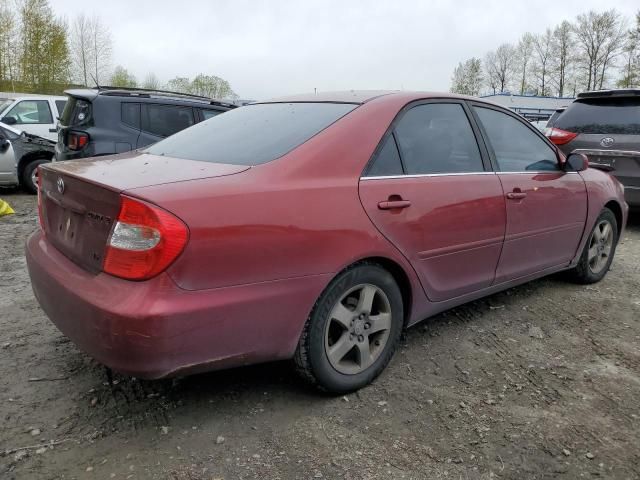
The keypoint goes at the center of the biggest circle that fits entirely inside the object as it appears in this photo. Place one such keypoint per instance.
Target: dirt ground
(540, 381)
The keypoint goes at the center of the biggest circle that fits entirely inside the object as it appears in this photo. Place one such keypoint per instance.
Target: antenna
(94, 80)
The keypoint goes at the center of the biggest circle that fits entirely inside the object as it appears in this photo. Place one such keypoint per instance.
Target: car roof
(91, 94)
(618, 92)
(360, 97)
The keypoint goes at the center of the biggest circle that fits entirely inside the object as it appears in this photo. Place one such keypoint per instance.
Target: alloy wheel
(358, 329)
(600, 245)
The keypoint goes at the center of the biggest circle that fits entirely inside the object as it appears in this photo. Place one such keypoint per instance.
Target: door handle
(517, 194)
(391, 204)
(52, 130)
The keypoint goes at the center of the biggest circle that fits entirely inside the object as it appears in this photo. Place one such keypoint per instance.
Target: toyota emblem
(607, 141)
(60, 184)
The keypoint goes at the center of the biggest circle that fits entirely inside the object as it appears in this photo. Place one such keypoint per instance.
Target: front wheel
(353, 330)
(599, 250)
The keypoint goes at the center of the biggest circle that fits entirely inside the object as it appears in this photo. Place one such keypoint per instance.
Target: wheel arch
(30, 157)
(615, 207)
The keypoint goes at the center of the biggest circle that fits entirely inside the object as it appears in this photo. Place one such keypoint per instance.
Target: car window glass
(207, 114)
(254, 134)
(387, 161)
(516, 147)
(60, 104)
(437, 138)
(31, 112)
(165, 120)
(602, 116)
(131, 114)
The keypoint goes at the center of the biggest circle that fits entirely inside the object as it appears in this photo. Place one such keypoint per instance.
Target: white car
(33, 114)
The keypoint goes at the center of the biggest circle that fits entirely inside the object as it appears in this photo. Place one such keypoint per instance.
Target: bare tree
(631, 52)
(599, 41)
(467, 77)
(8, 46)
(562, 44)
(81, 51)
(524, 54)
(543, 50)
(101, 47)
(499, 66)
(151, 82)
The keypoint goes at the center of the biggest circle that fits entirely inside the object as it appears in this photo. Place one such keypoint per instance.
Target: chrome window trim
(421, 175)
(630, 187)
(458, 174)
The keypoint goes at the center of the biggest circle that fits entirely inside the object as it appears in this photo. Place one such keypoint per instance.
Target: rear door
(546, 207)
(429, 190)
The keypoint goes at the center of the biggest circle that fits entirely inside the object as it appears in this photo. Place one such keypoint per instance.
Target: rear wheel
(30, 175)
(353, 330)
(599, 250)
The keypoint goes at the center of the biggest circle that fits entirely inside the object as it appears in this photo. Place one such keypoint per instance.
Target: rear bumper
(153, 329)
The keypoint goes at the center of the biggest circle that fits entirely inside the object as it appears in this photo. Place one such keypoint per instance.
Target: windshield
(253, 134)
(613, 116)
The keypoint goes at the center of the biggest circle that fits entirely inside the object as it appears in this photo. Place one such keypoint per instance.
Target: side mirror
(9, 120)
(576, 162)
(4, 144)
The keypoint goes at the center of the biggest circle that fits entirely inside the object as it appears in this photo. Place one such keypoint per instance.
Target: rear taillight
(77, 140)
(560, 137)
(144, 241)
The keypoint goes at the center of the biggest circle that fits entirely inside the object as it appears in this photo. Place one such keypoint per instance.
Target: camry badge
(607, 141)
(60, 184)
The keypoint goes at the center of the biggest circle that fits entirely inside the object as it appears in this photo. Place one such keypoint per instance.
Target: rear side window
(131, 114)
(600, 116)
(165, 120)
(60, 104)
(437, 138)
(516, 147)
(207, 114)
(387, 162)
(31, 112)
(253, 134)
(75, 112)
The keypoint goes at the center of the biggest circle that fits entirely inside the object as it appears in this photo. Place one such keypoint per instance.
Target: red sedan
(312, 228)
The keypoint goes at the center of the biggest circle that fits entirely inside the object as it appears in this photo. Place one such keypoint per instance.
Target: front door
(428, 192)
(546, 207)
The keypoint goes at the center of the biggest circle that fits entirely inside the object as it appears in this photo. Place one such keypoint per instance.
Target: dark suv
(108, 120)
(605, 125)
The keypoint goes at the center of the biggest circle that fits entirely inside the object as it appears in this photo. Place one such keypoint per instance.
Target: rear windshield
(253, 134)
(616, 116)
(76, 111)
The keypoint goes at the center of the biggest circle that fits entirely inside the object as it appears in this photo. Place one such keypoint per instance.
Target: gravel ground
(540, 381)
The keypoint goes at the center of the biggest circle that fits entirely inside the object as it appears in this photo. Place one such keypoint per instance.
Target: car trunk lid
(80, 200)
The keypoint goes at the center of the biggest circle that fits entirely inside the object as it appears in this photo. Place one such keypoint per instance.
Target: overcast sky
(277, 47)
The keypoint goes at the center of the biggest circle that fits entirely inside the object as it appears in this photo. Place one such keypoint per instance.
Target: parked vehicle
(33, 114)
(605, 125)
(552, 119)
(312, 228)
(20, 155)
(112, 120)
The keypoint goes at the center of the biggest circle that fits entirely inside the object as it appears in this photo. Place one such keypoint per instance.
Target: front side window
(165, 120)
(31, 112)
(516, 147)
(438, 138)
(254, 134)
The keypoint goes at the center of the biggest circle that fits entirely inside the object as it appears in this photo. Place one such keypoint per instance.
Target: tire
(27, 175)
(344, 320)
(599, 250)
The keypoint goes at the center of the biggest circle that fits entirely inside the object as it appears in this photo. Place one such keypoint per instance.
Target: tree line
(597, 50)
(44, 53)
